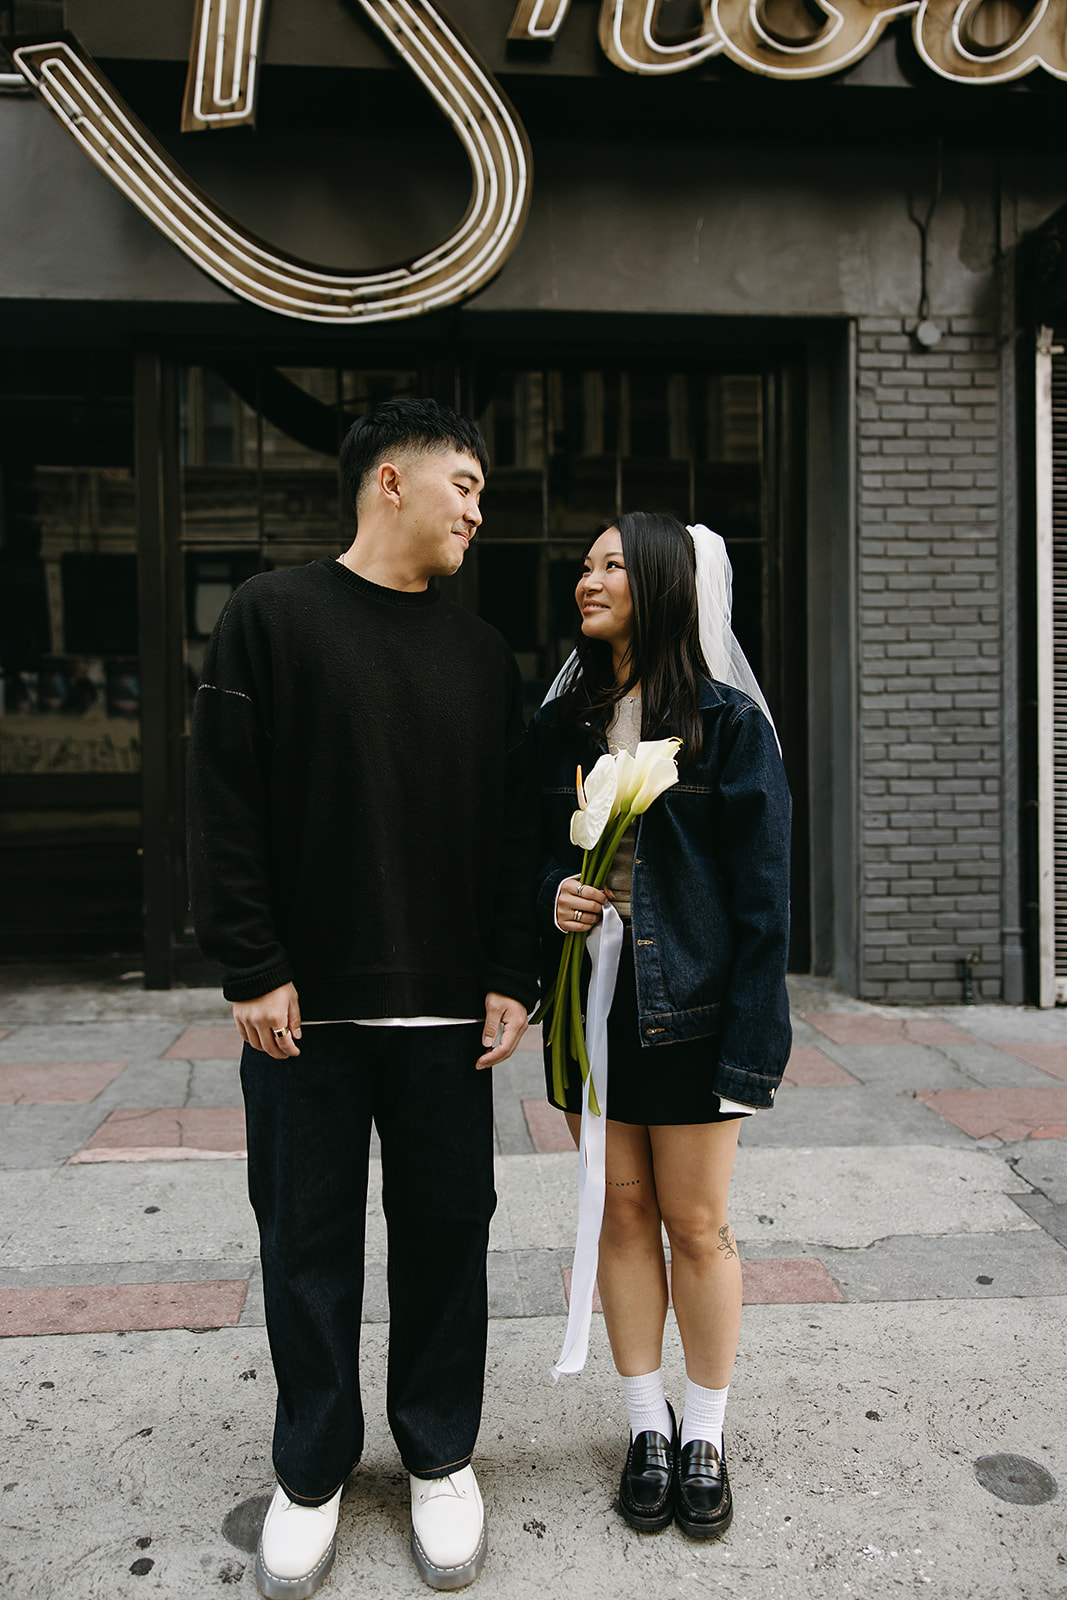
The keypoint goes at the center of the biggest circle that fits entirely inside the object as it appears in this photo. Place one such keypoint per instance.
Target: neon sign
(221, 93)
(122, 148)
(947, 36)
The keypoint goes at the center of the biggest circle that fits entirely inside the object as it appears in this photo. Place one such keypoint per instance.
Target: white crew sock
(646, 1405)
(704, 1413)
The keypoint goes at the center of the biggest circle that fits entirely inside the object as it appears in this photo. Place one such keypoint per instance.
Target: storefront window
(571, 449)
(71, 683)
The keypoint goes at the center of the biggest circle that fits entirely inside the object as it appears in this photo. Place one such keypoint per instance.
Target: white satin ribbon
(605, 947)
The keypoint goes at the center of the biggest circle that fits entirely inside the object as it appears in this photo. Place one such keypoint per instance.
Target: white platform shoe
(296, 1547)
(448, 1539)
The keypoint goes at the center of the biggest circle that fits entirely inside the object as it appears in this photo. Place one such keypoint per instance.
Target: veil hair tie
(725, 658)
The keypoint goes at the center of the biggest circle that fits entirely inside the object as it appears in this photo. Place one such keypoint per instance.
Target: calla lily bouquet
(619, 789)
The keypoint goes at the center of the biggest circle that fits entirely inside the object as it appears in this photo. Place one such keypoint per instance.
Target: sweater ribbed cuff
(520, 986)
(260, 983)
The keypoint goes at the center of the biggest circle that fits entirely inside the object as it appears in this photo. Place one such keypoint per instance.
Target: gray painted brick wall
(929, 660)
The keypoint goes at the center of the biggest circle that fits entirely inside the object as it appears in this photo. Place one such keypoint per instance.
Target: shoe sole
(449, 1577)
(275, 1588)
(704, 1530)
(643, 1523)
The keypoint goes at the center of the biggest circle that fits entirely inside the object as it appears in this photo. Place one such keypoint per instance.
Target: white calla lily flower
(647, 774)
(596, 798)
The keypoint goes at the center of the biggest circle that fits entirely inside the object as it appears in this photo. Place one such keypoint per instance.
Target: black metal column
(162, 709)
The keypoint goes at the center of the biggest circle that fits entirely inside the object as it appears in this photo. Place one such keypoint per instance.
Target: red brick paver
(810, 1068)
(1006, 1114)
(798, 1281)
(1050, 1058)
(860, 1027)
(567, 1275)
(209, 1041)
(121, 1307)
(547, 1126)
(178, 1134)
(36, 1083)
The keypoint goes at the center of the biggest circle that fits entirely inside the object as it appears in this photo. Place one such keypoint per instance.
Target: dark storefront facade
(800, 311)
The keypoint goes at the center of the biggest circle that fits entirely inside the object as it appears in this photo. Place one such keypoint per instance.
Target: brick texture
(929, 662)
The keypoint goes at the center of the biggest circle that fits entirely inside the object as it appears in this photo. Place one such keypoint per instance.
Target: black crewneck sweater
(360, 820)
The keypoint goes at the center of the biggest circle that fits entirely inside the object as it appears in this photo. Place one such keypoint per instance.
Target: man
(360, 863)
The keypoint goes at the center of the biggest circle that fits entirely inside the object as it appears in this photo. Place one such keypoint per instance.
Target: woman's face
(603, 594)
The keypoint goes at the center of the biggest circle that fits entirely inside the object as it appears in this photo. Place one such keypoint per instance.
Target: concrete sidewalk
(902, 1215)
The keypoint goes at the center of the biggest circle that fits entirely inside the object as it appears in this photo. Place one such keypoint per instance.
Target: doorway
(572, 443)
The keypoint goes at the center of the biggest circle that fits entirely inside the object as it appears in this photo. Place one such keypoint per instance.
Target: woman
(698, 1032)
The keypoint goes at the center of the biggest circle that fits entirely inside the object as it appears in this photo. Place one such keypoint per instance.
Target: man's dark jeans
(309, 1123)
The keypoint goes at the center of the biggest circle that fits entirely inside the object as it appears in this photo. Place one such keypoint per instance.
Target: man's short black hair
(421, 427)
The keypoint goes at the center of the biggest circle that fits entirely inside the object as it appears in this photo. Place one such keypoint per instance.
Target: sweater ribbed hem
(389, 995)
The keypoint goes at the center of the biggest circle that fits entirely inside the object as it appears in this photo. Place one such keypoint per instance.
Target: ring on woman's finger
(580, 890)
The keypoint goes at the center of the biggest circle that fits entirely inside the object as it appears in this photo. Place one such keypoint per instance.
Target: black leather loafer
(646, 1493)
(703, 1506)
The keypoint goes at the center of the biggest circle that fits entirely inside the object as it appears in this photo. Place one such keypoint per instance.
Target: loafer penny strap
(651, 1453)
(700, 1460)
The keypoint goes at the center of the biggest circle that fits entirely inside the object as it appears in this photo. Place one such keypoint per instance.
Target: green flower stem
(565, 1007)
(604, 861)
(561, 978)
(542, 1012)
(578, 1031)
(559, 1092)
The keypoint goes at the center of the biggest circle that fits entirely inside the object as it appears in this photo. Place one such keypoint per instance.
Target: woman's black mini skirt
(664, 1084)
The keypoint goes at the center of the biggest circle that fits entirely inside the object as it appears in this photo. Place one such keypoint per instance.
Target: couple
(364, 862)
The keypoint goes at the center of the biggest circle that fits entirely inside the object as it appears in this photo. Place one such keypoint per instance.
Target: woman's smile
(603, 593)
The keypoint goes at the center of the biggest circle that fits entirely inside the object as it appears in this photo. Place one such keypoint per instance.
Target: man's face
(440, 495)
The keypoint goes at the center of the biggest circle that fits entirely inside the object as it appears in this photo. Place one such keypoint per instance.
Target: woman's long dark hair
(665, 657)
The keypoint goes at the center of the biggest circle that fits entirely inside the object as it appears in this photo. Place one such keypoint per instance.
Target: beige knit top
(624, 733)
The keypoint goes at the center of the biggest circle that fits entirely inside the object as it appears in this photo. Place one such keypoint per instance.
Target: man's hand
(506, 1018)
(258, 1022)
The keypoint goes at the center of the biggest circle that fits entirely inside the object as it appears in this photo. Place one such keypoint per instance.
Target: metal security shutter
(1059, 652)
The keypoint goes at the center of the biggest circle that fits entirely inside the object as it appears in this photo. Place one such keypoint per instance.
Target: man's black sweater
(359, 816)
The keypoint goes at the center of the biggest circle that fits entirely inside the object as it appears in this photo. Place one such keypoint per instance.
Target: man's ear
(389, 482)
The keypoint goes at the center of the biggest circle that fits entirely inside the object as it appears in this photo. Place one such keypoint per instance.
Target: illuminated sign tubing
(121, 147)
(945, 34)
(221, 92)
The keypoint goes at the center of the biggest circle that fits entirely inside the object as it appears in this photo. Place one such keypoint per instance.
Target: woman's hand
(579, 907)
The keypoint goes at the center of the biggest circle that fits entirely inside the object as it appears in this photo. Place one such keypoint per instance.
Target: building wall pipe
(1014, 979)
(849, 918)
(1046, 776)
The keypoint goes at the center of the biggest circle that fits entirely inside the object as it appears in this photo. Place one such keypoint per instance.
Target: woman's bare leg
(632, 1274)
(693, 1167)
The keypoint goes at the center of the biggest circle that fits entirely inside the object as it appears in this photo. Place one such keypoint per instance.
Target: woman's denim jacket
(710, 897)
